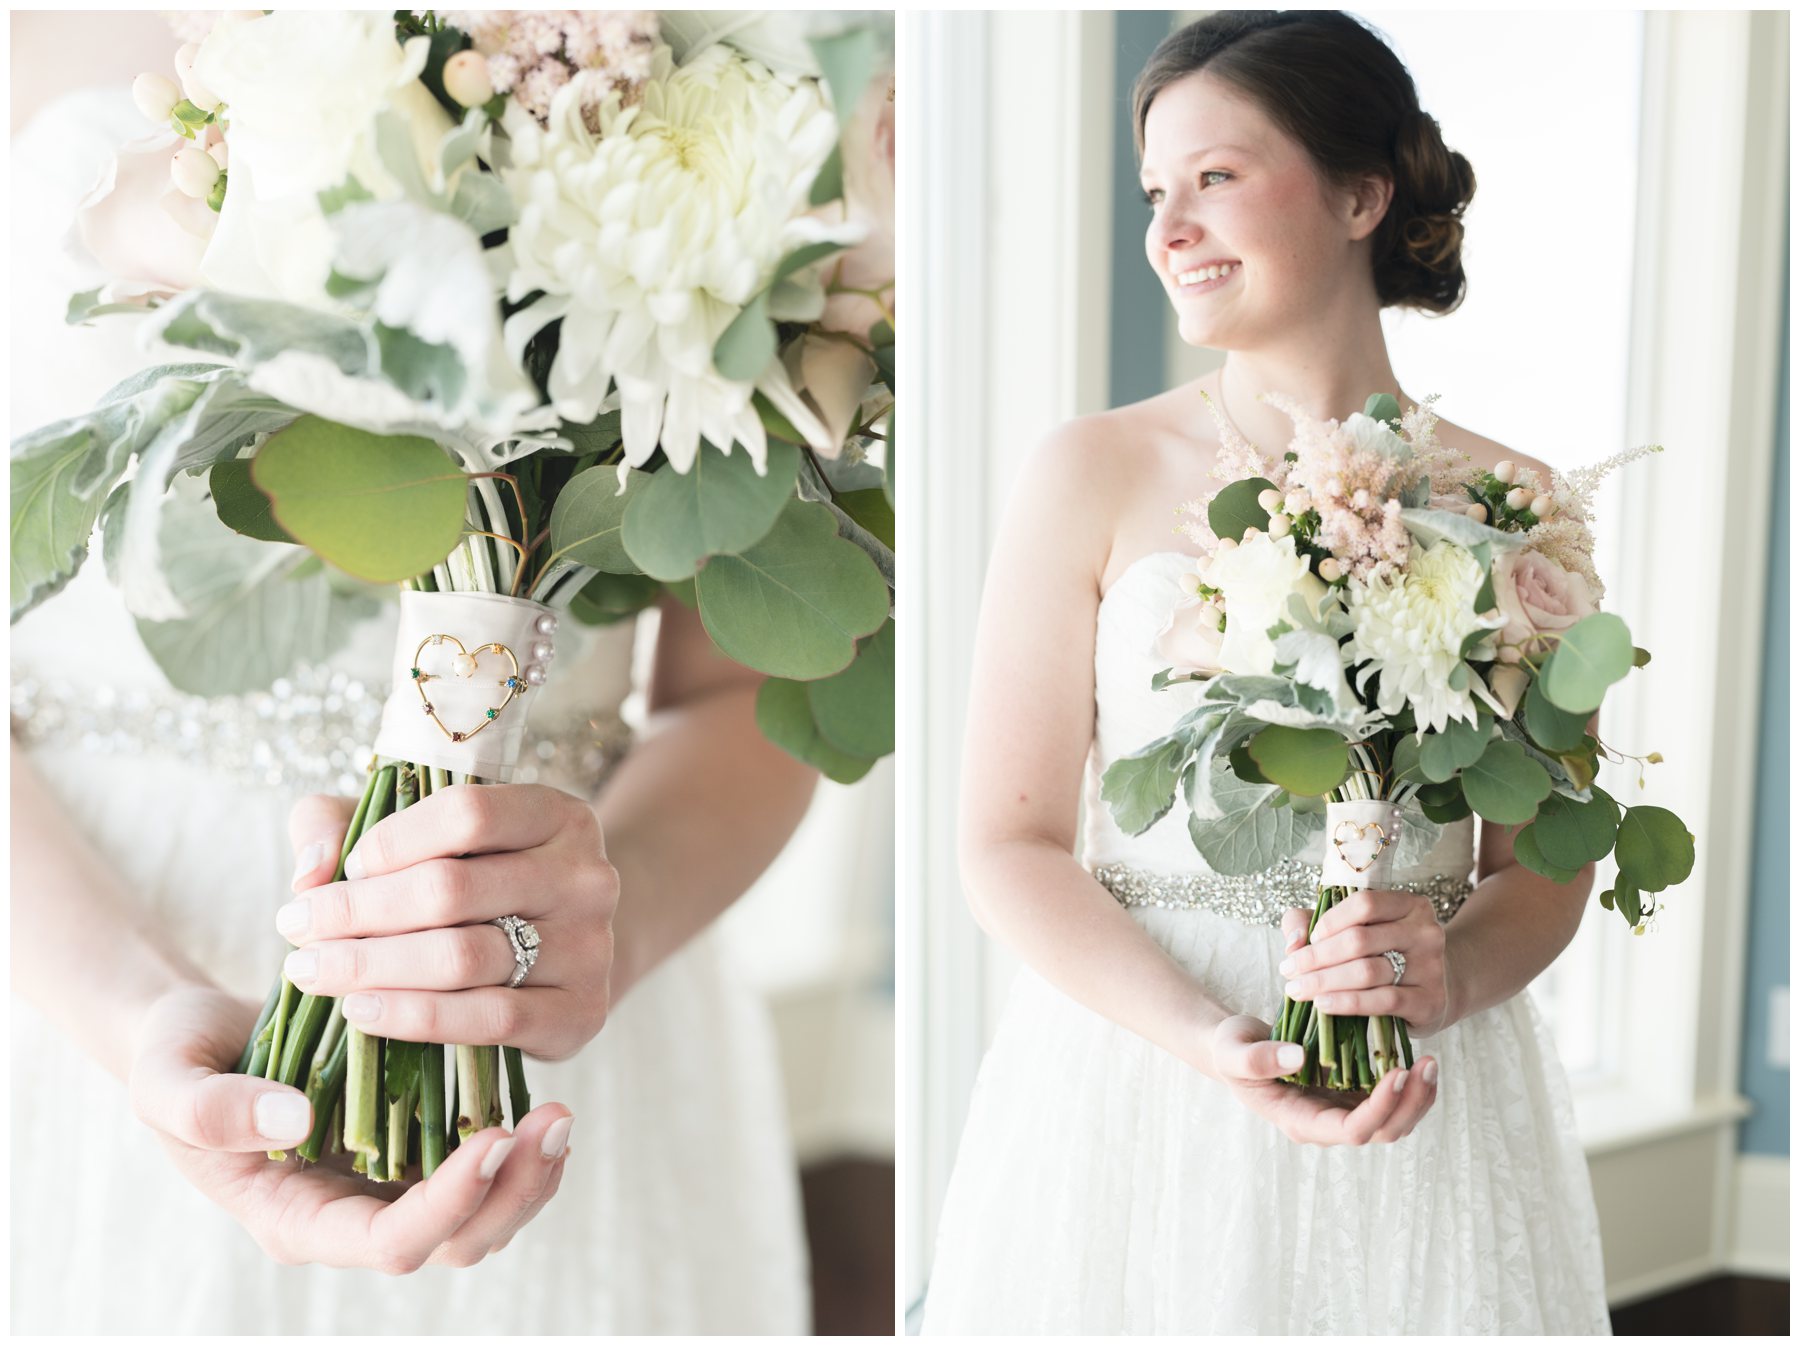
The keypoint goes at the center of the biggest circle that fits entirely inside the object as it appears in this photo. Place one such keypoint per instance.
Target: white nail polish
(556, 1139)
(1290, 1057)
(361, 1007)
(294, 919)
(302, 966)
(309, 860)
(1399, 1077)
(353, 866)
(282, 1115)
(1430, 1072)
(491, 1161)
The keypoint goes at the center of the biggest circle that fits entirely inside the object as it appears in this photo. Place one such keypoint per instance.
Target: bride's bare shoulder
(1119, 449)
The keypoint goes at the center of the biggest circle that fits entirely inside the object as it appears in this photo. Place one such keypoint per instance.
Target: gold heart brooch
(1361, 830)
(463, 666)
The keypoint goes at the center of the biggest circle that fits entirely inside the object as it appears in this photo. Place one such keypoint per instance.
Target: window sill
(1611, 1117)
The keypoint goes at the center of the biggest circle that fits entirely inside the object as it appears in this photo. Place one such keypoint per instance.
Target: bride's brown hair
(1335, 86)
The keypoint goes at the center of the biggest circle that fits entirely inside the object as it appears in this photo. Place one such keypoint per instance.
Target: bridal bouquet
(528, 313)
(1387, 642)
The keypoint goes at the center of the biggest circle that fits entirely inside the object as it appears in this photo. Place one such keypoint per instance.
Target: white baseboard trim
(1759, 1216)
(1661, 1281)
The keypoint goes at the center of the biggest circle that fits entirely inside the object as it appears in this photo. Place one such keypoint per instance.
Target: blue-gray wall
(1139, 306)
(1765, 1131)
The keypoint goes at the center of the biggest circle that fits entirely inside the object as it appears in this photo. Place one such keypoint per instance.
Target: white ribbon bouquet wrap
(464, 664)
(1362, 838)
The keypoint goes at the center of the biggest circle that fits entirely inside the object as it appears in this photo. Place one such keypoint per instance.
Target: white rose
(302, 91)
(1258, 577)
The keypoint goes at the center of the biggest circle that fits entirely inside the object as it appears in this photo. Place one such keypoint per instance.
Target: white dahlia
(1410, 626)
(649, 227)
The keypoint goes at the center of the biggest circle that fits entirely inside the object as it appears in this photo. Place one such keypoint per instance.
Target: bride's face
(1227, 186)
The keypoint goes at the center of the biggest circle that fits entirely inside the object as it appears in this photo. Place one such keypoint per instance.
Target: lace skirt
(1103, 1186)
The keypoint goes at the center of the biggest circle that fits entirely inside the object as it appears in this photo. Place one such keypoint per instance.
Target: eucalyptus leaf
(854, 709)
(608, 598)
(1527, 853)
(719, 506)
(1459, 744)
(1235, 508)
(1571, 835)
(242, 508)
(1590, 657)
(381, 507)
(1655, 849)
(1303, 761)
(784, 715)
(1504, 785)
(745, 348)
(1551, 727)
(794, 604)
(588, 521)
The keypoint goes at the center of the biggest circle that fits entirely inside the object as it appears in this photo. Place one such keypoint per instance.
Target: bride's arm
(82, 954)
(699, 807)
(1030, 723)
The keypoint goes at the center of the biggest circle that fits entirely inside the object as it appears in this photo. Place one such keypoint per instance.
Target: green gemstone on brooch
(415, 673)
(492, 713)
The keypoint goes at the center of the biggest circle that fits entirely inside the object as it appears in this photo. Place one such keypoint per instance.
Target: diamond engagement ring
(523, 937)
(1397, 961)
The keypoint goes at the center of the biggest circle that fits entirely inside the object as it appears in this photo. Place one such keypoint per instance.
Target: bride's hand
(217, 1127)
(1251, 1065)
(1343, 971)
(407, 940)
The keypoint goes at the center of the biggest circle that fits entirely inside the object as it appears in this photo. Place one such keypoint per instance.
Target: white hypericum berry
(1189, 583)
(1518, 498)
(155, 96)
(1280, 525)
(1269, 499)
(194, 172)
(1252, 531)
(1543, 506)
(466, 78)
(219, 155)
(1505, 471)
(1299, 501)
(197, 93)
(1477, 512)
(1226, 544)
(1330, 571)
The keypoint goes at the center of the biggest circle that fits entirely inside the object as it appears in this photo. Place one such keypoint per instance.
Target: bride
(1131, 1162)
(157, 849)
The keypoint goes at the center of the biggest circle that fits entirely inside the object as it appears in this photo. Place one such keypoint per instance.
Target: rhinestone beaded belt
(310, 732)
(1256, 899)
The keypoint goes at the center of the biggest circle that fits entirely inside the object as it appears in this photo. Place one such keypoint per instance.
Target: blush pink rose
(868, 147)
(1535, 594)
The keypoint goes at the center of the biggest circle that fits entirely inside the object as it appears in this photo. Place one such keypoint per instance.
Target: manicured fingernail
(1430, 1072)
(1327, 1003)
(302, 967)
(1399, 1079)
(1290, 1057)
(283, 1115)
(556, 1139)
(1286, 968)
(294, 919)
(491, 1161)
(1296, 939)
(309, 860)
(1293, 990)
(361, 1007)
(353, 867)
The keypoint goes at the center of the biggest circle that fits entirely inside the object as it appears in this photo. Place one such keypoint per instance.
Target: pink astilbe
(1355, 490)
(532, 53)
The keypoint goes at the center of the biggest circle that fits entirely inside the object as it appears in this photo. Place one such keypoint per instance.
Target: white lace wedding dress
(1102, 1186)
(679, 1208)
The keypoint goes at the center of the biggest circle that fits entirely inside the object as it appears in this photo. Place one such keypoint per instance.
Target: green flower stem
(303, 1036)
(399, 1122)
(1405, 1041)
(470, 1108)
(431, 1105)
(515, 1079)
(1359, 1039)
(488, 1066)
(325, 1090)
(1329, 1055)
(1345, 1065)
(278, 1027)
(1381, 1051)
(452, 1136)
(256, 1034)
(362, 1095)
